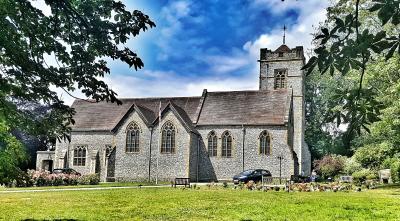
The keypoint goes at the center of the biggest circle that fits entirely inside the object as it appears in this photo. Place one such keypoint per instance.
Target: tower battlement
(282, 53)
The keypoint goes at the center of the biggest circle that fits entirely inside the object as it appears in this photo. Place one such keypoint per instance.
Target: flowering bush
(45, 178)
(90, 179)
(329, 166)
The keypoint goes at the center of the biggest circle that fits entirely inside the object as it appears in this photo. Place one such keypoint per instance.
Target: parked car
(66, 171)
(247, 175)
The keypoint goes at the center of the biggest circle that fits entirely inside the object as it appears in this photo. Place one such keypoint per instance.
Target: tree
(66, 49)
(354, 36)
(12, 155)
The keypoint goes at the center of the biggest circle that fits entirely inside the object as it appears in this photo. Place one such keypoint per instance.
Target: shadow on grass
(389, 186)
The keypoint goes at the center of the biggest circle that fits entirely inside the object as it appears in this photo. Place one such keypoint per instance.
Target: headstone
(385, 176)
(346, 179)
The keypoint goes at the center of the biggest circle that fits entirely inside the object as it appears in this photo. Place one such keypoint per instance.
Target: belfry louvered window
(80, 156)
(132, 138)
(212, 144)
(226, 144)
(168, 138)
(280, 79)
(265, 143)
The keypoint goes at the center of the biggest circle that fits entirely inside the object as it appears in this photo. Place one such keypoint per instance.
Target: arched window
(212, 144)
(80, 156)
(132, 138)
(226, 144)
(265, 143)
(280, 79)
(168, 138)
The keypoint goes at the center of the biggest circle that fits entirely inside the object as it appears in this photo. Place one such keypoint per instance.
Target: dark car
(247, 175)
(66, 171)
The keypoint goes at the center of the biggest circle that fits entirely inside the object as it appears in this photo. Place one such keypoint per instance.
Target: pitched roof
(103, 116)
(212, 108)
(283, 48)
(244, 107)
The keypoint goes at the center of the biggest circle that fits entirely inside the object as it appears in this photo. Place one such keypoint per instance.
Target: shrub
(394, 165)
(372, 156)
(250, 185)
(351, 165)
(361, 176)
(39, 177)
(329, 166)
(90, 179)
(45, 178)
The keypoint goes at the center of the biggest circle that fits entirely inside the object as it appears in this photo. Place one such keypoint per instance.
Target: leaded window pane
(79, 156)
(265, 143)
(132, 138)
(280, 79)
(226, 144)
(212, 144)
(168, 138)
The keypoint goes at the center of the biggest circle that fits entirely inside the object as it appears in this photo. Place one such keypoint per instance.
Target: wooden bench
(182, 181)
(281, 182)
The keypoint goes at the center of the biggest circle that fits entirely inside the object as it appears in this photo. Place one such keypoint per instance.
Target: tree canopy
(66, 49)
(357, 47)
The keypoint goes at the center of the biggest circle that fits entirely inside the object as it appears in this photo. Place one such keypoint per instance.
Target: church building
(209, 137)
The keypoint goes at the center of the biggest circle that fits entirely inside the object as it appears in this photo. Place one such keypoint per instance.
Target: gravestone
(385, 176)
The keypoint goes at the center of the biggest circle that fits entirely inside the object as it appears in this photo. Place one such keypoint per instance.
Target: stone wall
(190, 158)
(132, 165)
(222, 168)
(96, 143)
(42, 158)
(293, 62)
(175, 164)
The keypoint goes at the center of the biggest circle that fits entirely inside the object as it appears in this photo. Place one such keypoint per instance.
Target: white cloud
(311, 14)
(224, 64)
(150, 83)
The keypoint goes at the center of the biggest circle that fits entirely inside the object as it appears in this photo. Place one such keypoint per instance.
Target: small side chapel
(209, 137)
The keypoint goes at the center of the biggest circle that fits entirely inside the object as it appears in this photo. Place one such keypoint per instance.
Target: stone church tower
(281, 70)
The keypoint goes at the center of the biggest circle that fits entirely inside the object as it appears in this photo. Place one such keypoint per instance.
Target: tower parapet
(282, 53)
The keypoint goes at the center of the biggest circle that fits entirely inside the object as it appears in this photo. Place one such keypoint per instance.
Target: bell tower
(281, 70)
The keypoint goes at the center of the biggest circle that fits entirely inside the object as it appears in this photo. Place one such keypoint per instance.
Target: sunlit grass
(204, 204)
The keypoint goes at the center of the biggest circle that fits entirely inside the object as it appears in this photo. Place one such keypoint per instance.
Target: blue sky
(211, 44)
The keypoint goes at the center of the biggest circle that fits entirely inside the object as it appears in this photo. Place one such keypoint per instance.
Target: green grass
(204, 204)
(116, 184)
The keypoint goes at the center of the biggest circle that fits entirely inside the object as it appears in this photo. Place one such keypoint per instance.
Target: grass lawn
(204, 204)
(111, 184)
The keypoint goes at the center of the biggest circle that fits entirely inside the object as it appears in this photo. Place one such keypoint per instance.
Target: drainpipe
(151, 139)
(198, 158)
(68, 148)
(244, 132)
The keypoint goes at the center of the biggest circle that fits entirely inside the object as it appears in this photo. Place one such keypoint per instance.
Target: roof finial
(284, 33)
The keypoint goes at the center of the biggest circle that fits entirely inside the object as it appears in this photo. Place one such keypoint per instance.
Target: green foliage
(12, 155)
(361, 176)
(345, 44)
(394, 165)
(351, 165)
(350, 42)
(372, 156)
(66, 49)
(329, 166)
(89, 179)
